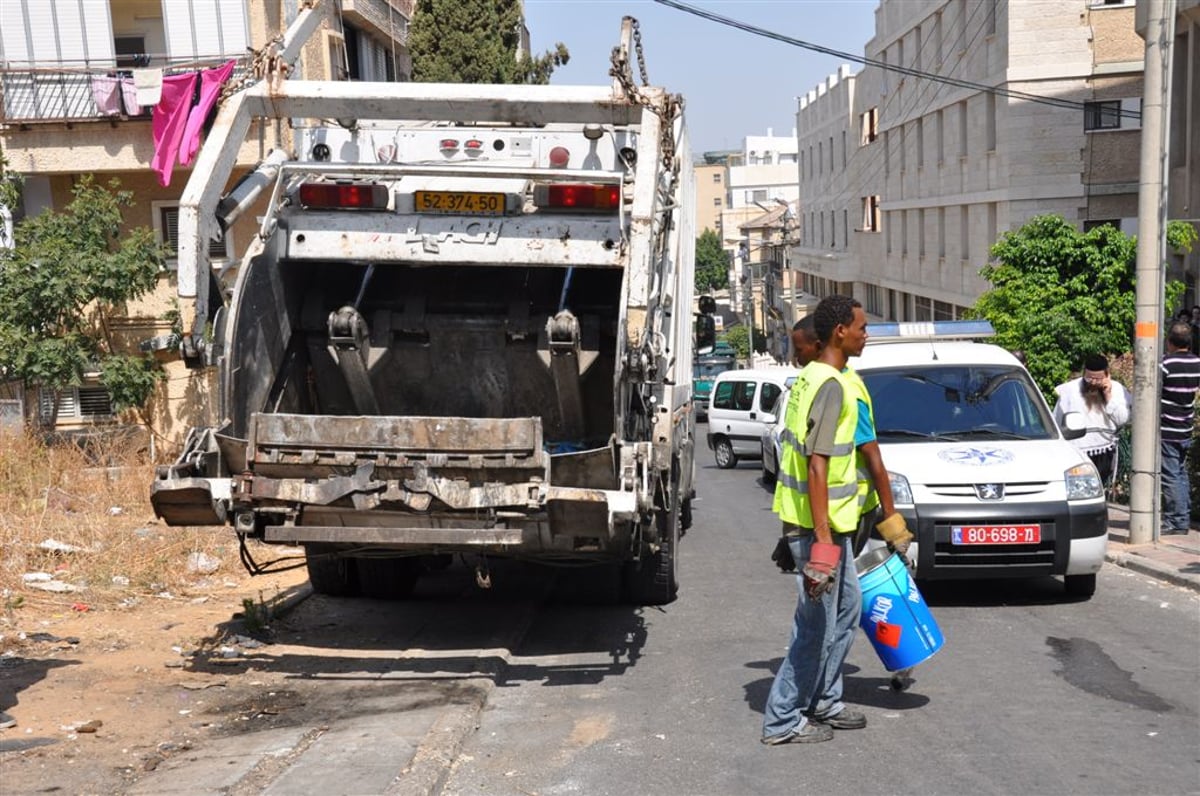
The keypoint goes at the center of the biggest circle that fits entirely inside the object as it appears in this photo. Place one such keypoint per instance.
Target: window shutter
(199, 29)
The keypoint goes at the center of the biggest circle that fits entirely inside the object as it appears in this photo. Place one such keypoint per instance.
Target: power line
(904, 70)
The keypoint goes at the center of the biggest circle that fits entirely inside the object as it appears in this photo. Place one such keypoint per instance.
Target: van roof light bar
(930, 330)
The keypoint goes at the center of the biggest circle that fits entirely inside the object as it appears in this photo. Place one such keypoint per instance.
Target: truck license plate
(484, 204)
(995, 534)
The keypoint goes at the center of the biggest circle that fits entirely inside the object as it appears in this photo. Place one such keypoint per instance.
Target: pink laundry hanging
(105, 93)
(211, 81)
(170, 119)
(129, 97)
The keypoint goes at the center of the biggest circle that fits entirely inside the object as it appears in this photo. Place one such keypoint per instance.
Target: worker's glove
(896, 533)
(821, 570)
(782, 556)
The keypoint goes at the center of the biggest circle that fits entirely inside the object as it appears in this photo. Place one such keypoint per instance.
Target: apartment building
(1183, 140)
(710, 195)
(905, 181)
(69, 76)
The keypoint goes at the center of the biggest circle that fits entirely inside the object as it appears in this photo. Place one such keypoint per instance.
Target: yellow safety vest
(868, 498)
(791, 487)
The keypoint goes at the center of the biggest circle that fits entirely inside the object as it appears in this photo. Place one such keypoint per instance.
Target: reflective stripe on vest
(791, 489)
(868, 498)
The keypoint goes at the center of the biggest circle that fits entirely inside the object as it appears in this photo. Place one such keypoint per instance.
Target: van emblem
(981, 456)
(990, 491)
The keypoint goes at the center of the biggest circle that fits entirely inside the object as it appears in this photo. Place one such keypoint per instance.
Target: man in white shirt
(1105, 405)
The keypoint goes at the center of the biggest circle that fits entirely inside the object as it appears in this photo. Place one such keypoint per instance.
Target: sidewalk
(1175, 559)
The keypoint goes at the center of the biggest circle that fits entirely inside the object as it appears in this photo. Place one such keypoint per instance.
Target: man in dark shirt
(1180, 382)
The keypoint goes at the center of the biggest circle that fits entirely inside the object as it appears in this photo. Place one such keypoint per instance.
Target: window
(88, 402)
(870, 126)
(1102, 115)
(717, 202)
(768, 395)
(903, 233)
(921, 233)
(820, 157)
(831, 154)
(803, 160)
(943, 311)
(843, 149)
(130, 51)
(921, 143)
(964, 234)
(962, 128)
(922, 309)
(990, 100)
(941, 135)
(716, 176)
(874, 300)
(903, 148)
(870, 213)
(845, 227)
(166, 227)
(941, 231)
(759, 195)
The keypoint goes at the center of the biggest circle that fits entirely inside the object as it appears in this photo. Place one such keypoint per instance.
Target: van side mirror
(1074, 425)
(768, 418)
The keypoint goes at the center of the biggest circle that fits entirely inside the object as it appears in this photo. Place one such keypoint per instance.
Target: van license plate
(995, 534)
(480, 204)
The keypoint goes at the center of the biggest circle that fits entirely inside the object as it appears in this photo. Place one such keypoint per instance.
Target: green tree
(1059, 294)
(475, 41)
(59, 286)
(738, 337)
(712, 263)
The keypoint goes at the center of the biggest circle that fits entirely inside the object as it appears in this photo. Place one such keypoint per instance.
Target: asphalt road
(1032, 693)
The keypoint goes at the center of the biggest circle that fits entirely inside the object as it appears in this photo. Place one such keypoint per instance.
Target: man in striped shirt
(1180, 382)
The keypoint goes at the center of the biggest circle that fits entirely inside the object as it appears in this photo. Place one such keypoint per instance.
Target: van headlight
(901, 492)
(1083, 482)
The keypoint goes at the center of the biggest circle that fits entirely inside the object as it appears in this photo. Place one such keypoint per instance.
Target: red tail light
(579, 196)
(333, 195)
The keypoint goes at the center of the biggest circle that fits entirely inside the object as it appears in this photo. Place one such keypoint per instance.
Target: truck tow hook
(483, 576)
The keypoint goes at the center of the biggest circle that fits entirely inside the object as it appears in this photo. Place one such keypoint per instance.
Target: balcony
(387, 19)
(70, 93)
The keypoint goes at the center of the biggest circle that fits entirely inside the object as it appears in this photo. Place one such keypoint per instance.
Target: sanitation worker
(818, 499)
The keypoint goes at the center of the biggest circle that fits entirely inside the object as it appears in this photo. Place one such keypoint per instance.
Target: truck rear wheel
(388, 578)
(654, 579)
(330, 573)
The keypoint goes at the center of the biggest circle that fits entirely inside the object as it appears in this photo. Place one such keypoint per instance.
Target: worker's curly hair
(831, 311)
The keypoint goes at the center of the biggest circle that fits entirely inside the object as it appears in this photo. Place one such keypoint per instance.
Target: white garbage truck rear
(464, 328)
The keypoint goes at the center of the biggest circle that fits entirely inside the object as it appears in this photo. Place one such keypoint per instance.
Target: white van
(740, 402)
(983, 475)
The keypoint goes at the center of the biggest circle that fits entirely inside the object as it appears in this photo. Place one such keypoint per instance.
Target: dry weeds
(91, 526)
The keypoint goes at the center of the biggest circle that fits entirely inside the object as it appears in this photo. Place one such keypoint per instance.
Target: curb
(1146, 566)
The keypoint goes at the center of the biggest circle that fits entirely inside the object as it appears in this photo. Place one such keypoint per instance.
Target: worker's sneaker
(811, 732)
(846, 719)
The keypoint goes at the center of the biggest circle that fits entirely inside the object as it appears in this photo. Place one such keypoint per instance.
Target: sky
(734, 83)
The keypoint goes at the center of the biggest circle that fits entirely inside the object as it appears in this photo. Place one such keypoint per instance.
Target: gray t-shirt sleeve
(823, 417)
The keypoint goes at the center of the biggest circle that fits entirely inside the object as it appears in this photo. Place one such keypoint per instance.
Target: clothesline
(90, 67)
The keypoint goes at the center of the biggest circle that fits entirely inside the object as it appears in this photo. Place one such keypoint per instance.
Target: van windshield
(957, 402)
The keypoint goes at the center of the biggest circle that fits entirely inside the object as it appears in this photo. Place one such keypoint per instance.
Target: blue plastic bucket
(894, 615)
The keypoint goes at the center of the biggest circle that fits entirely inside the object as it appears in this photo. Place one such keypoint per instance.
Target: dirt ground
(102, 694)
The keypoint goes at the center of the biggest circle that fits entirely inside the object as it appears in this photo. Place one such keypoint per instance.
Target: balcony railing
(66, 93)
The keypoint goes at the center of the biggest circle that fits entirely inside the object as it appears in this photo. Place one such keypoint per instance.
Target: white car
(987, 481)
(771, 448)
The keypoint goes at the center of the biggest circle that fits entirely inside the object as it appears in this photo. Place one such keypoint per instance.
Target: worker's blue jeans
(809, 680)
(1176, 514)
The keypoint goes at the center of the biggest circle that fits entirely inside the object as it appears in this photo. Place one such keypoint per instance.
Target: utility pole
(1148, 333)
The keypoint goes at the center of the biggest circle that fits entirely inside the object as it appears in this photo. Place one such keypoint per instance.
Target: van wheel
(1080, 585)
(726, 458)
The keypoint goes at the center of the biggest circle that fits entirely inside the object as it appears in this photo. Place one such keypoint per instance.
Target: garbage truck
(462, 330)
